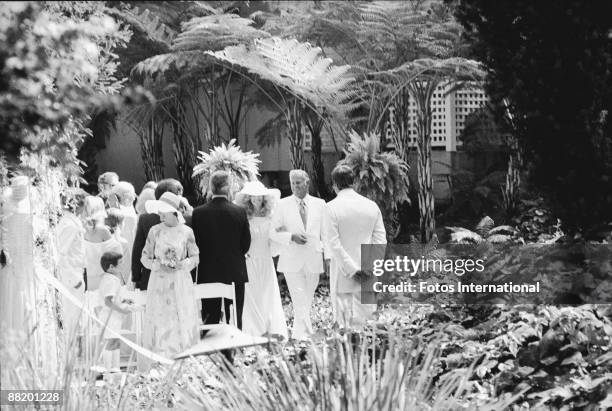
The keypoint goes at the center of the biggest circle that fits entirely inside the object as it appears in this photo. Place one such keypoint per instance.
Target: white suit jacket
(294, 257)
(350, 221)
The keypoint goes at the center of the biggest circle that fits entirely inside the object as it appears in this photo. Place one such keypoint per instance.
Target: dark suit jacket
(223, 236)
(140, 275)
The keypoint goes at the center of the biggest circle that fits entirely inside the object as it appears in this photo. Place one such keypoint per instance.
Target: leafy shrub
(381, 177)
(536, 222)
(485, 232)
(242, 166)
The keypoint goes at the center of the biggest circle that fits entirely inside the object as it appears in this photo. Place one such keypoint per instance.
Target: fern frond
(463, 235)
(148, 24)
(162, 62)
(484, 226)
(298, 68)
(215, 32)
(503, 229)
(457, 68)
(499, 238)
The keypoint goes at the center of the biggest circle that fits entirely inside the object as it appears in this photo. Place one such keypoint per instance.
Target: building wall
(123, 155)
(449, 111)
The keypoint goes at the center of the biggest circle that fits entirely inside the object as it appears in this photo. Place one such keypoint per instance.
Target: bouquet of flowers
(170, 258)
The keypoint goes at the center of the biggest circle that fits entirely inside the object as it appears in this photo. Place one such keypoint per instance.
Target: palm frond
(242, 166)
(382, 177)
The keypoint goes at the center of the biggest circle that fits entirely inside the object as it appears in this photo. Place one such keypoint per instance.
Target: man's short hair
(296, 173)
(110, 177)
(342, 176)
(219, 182)
(110, 258)
(168, 184)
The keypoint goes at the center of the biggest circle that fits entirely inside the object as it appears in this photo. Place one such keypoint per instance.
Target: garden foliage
(551, 61)
(381, 177)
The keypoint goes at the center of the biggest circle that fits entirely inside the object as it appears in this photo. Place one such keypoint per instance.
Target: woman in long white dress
(70, 245)
(126, 195)
(171, 315)
(263, 310)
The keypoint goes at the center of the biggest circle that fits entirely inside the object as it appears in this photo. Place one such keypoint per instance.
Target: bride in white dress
(263, 310)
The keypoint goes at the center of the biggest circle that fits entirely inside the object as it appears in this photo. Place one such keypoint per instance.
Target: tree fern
(298, 68)
(485, 232)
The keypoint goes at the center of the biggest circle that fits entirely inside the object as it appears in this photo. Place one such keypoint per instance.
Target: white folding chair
(137, 316)
(92, 330)
(218, 290)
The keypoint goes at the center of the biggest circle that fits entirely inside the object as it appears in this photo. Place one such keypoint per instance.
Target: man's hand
(299, 238)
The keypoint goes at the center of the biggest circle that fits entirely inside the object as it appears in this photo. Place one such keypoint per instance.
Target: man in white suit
(350, 221)
(299, 219)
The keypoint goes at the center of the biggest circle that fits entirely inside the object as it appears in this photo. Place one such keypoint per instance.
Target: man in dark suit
(222, 234)
(140, 275)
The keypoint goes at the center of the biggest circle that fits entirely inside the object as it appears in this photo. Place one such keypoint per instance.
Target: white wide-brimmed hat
(256, 188)
(167, 203)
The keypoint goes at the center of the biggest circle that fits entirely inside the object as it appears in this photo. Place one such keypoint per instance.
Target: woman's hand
(170, 267)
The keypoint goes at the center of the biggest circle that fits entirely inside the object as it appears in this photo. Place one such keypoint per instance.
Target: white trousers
(349, 311)
(302, 286)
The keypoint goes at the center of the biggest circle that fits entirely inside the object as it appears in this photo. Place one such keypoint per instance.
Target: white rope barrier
(44, 275)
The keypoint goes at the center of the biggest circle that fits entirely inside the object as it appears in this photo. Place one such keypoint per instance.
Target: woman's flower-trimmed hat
(256, 188)
(167, 203)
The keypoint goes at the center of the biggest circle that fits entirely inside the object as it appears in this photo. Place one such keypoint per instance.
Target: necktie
(303, 212)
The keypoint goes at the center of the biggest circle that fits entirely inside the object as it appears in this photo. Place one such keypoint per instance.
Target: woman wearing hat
(171, 316)
(263, 310)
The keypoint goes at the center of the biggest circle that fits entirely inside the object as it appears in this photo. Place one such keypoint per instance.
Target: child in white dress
(114, 309)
